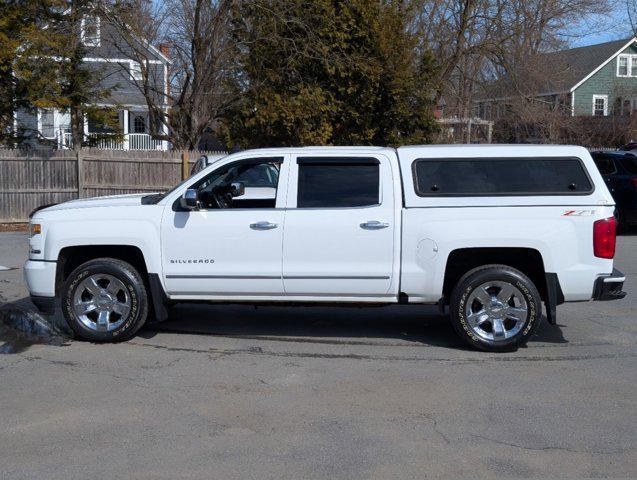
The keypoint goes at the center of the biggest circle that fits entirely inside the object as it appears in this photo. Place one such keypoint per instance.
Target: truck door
(339, 228)
(231, 245)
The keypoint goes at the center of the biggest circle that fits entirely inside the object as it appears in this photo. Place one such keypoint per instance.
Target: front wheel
(495, 308)
(105, 300)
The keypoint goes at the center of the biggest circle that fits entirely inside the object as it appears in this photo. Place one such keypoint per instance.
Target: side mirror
(237, 189)
(188, 200)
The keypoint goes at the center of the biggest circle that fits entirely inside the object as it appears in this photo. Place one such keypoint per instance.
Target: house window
(627, 65)
(600, 105)
(626, 107)
(484, 111)
(139, 124)
(135, 71)
(47, 122)
(622, 65)
(91, 31)
(106, 122)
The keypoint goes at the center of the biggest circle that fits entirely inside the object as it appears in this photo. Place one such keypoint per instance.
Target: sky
(604, 29)
(601, 29)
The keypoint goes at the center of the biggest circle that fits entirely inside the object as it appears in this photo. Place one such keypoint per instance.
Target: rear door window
(500, 176)
(331, 182)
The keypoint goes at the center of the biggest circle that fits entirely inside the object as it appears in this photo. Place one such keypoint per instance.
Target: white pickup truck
(489, 231)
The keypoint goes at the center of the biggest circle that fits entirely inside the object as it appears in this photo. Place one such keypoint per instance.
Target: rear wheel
(495, 308)
(105, 300)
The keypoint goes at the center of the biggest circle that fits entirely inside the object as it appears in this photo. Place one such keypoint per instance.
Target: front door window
(250, 183)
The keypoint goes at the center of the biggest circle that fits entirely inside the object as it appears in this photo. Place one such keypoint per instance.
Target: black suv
(619, 170)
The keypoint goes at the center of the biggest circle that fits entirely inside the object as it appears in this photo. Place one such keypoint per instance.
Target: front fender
(142, 233)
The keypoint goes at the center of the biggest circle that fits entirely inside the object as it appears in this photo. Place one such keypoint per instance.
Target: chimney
(164, 48)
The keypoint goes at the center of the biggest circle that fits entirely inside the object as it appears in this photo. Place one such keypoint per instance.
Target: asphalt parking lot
(234, 392)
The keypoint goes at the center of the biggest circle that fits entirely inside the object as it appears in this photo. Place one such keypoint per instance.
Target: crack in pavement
(285, 339)
(12, 364)
(436, 428)
(333, 341)
(158, 365)
(353, 356)
(565, 449)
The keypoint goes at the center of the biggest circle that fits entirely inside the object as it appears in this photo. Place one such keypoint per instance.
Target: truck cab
(489, 232)
(326, 231)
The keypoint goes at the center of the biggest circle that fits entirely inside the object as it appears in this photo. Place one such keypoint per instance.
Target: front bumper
(609, 287)
(40, 277)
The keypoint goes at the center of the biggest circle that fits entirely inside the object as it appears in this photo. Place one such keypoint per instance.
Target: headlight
(34, 229)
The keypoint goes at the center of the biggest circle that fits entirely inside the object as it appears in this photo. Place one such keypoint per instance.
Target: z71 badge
(578, 213)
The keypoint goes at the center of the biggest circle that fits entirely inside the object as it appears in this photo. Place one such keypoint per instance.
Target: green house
(598, 80)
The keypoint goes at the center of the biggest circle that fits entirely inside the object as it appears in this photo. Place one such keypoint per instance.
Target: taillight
(634, 180)
(604, 233)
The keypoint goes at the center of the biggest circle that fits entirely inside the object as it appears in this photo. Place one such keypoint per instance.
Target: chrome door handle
(263, 226)
(374, 225)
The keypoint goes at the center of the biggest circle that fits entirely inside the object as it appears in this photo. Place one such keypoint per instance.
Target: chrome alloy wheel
(496, 310)
(101, 302)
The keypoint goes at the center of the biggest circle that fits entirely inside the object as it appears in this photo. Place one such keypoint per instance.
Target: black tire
(501, 274)
(136, 296)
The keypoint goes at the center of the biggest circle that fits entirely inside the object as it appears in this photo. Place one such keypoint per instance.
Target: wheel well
(527, 260)
(72, 257)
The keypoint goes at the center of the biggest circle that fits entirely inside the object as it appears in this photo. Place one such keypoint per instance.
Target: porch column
(125, 121)
(164, 127)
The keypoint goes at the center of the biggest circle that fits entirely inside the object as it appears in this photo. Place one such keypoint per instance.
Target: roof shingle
(555, 72)
(569, 67)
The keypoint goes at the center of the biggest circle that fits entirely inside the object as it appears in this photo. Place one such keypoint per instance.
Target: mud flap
(553, 297)
(159, 298)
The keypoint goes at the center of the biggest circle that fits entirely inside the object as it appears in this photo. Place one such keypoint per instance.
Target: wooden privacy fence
(29, 179)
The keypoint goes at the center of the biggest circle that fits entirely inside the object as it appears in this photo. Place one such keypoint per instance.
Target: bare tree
(198, 33)
(631, 10)
(460, 34)
(478, 41)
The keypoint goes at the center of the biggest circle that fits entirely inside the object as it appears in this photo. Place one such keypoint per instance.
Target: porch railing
(142, 141)
(129, 141)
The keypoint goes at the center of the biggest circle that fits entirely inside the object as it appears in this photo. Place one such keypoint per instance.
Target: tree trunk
(77, 127)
